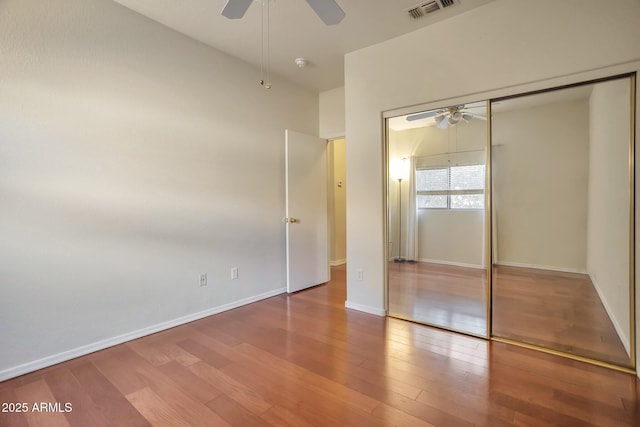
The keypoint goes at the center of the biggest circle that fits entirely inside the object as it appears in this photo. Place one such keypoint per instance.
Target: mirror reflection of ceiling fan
(327, 10)
(446, 117)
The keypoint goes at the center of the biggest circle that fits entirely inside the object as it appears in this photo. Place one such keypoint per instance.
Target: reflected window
(454, 187)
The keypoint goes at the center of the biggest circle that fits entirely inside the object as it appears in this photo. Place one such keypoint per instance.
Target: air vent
(427, 8)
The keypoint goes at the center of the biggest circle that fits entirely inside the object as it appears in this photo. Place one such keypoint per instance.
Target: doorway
(337, 193)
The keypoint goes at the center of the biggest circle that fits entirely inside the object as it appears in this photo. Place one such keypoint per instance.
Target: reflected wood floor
(442, 295)
(556, 310)
(304, 359)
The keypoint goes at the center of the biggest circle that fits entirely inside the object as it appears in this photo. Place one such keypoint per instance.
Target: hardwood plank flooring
(557, 310)
(305, 360)
(442, 295)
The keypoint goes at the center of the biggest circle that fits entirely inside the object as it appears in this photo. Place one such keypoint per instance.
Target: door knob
(293, 220)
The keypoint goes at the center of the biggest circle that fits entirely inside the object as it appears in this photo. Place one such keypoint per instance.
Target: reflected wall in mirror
(436, 218)
(561, 223)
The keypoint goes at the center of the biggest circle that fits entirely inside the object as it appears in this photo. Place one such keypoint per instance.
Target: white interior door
(306, 211)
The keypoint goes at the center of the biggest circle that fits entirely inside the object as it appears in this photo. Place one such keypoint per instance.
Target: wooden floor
(443, 295)
(305, 360)
(556, 310)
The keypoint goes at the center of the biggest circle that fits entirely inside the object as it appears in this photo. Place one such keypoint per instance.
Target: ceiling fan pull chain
(268, 84)
(262, 43)
(265, 62)
(327, 10)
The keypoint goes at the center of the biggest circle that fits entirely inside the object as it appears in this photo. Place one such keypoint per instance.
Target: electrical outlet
(360, 275)
(203, 279)
(234, 273)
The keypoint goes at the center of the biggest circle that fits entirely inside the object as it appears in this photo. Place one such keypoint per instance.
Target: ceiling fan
(446, 117)
(327, 10)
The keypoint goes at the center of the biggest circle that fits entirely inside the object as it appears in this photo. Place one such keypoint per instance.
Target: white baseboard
(365, 308)
(456, 264)
(338, 262)
(35, 365)
(541, 267)
(623, 337)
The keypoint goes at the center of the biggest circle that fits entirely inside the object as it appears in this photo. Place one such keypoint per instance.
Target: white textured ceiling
(295, 31)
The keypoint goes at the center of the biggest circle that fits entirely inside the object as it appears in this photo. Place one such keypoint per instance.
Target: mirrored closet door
(550, 208)
(437, 271)
(562, 243)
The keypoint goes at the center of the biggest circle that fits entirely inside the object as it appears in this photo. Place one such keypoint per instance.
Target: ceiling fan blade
(327, 10)
(235, 9)
(443, 123)
(419, 116)
(478, 116)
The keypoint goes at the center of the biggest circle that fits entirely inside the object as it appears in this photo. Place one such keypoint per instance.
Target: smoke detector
(301, 62)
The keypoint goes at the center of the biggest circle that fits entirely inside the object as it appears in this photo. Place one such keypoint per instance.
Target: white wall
(540, 177)
(463, 137)
(505, 47)
(608, 221)
(453, 237)
(445, 236)
(132, 159)
(332, 115)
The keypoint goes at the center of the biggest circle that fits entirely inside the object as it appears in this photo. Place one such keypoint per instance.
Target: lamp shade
(399, 168)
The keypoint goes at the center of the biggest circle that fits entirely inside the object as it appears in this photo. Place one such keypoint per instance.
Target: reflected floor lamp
(400, 171)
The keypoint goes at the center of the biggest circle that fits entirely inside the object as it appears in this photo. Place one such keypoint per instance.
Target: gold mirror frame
(487, 221)
(631, 247)
(489, 215)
